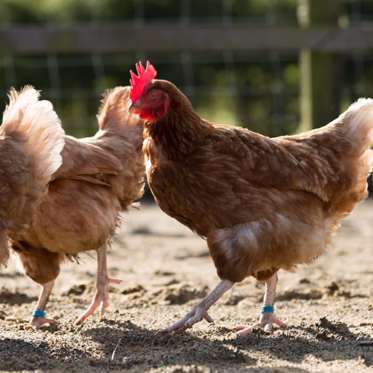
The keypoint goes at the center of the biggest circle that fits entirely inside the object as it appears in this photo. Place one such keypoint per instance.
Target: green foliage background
(258, 90)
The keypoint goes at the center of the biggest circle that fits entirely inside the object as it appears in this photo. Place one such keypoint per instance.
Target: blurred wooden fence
(319, 40)
(167, 37)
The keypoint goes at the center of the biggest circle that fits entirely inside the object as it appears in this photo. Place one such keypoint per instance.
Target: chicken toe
(100, 300)
(266, 323)
(200, 311)
(101, 297)
(39, 322)
(191, 318)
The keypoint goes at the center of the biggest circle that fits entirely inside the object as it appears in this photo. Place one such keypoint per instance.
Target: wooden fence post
(319, 71)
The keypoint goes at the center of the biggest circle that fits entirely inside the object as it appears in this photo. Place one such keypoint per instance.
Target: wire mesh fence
(259, 91)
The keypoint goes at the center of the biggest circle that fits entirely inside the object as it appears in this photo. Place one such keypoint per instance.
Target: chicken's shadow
(327, 343)
(124, 344)
(14, 298)
(127, 345)
(19, 355)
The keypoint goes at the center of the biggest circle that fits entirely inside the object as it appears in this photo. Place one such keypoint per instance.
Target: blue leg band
(267, 309)
(38, 313)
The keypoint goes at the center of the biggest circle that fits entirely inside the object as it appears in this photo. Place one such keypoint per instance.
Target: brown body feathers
(262, 203)
(100, 176)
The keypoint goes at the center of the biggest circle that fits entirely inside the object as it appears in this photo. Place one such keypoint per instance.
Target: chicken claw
(200, 311)
(39, 322)
(191, 318)
(267, 318)
(100, 299)
(266, 321)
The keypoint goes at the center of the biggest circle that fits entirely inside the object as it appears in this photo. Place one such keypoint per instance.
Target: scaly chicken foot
(200, 311)
(101, 297)
(39, 321)
(266, 322)
(267, 319)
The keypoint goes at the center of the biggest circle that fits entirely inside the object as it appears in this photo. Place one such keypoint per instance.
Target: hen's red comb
(141, 80)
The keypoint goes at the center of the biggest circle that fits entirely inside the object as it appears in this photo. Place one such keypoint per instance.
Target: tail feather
(358, 125)
(114, 111)
(122, 133)
(38, 129)
(39, 125)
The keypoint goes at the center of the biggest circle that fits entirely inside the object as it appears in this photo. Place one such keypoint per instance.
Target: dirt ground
(165, 270)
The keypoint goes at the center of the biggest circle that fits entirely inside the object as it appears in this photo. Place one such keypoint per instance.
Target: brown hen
(263, 204)
(31, 141)
(100, 176)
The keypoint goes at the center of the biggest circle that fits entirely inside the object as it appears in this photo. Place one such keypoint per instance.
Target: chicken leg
(200, 311)
(101, 297)
(38, 317)
(267, 317)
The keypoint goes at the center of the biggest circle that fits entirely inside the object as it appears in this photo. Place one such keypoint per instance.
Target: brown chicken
(31, 141)
(100, 176)
(263, 204)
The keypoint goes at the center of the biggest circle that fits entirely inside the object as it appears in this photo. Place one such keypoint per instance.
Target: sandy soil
(166, 270)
